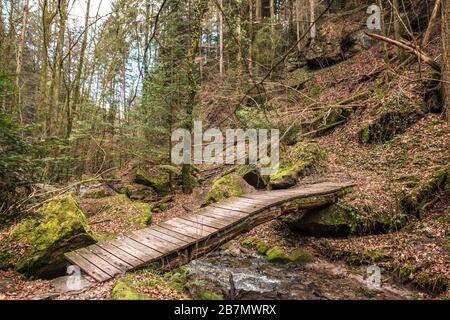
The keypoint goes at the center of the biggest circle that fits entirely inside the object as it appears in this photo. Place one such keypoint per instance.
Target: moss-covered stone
(262, 247)
(209, 295)
(248, 242)
(159, 182)
(299, 161)
(123, 291)
(301, 256)
(397, 114)
(57, 227)
(226, 187)
(366, 257)
(146, 218)
(337, 219)
(417, 200)
(277, 255)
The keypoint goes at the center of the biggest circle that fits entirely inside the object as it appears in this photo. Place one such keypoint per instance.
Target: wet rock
(277, 255)
(36, 246)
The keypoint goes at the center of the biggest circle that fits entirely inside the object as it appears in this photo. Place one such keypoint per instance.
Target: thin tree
(446, 57)
(19, 55)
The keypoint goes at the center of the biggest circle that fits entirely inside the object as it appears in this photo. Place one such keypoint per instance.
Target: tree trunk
(17, 97)
(76, 93)
(446, 57)
(221, 62)
(312, 18)
(434, 14)
(196, 29)
(272, 15)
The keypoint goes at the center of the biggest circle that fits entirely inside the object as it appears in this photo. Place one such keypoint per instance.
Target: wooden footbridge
(179, 240)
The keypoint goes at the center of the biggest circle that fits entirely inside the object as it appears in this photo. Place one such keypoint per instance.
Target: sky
(78, 10)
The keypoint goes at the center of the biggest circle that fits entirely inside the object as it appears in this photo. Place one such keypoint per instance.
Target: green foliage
(267, 45)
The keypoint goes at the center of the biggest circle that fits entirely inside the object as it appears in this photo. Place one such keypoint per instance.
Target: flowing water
(255, 278)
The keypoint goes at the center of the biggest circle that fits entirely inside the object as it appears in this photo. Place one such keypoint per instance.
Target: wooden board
(180, 239)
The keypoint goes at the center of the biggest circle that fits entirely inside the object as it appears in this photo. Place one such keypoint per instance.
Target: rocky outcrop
(230, 185)
(301, 160)
(336, 41)
(396, 115)
(36, 246)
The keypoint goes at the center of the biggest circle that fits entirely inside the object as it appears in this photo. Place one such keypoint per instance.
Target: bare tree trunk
(17, 97)
(434, 14)
(221, 62)
(250, 46)
(446, 57)
(57, 65)
(258, 10)
(76, 93)
(397, 28)
(297, 23)
(312, 18)
(272, 15)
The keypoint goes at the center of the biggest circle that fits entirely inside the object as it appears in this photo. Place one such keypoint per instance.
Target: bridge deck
(179, 240)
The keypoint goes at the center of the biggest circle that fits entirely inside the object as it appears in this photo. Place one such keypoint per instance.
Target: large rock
(397, 114)
(36, 246)
(230, 185)
(336, 41)
(156, 180)
(301, 160)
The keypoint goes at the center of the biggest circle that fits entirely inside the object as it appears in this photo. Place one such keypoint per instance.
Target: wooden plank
(193, 230)
(132, 250)
(121, 254)
(167, 237)
(211, 222)
(196, 225)
(112, 259)
(163, 244)
(152, 254)
(248, 209)
(99, 262)
(225, 216)
(226, 212)
(89, 268)
(197, 234)
(173, 233)
(148, 243)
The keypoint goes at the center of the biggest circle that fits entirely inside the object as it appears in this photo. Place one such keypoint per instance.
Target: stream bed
(256, 278)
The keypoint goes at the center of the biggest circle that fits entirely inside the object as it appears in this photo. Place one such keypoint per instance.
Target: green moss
(123, 291)
(367, 256)
(57, 227)
(262, 247)
(223, 188)
(146, 218)
(159, 182)
(416, 201)
(365, 135)
(248, 242)
(301, 256)
(208, 295)
(277, 255)
(299, 160)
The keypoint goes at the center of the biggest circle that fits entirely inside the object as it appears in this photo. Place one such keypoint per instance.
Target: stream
(256, 278)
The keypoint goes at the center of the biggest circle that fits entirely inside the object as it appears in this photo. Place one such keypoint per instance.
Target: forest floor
(417, 254)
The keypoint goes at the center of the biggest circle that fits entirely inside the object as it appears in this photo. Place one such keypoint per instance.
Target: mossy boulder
(228, 186)
(156, 180)
(416, 200)
(209, 295)
(334, 220)
(301, 256)
(277, 255)
(36, 246)
(123, 291)
(397, 114)
(262, 247)
(300, 160)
